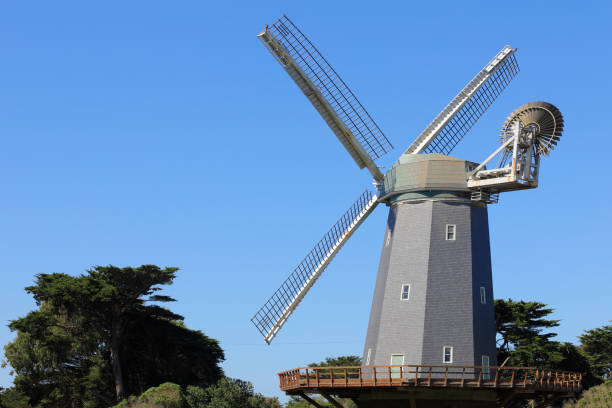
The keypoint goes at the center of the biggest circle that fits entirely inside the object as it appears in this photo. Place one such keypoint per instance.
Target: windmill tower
(433, 298)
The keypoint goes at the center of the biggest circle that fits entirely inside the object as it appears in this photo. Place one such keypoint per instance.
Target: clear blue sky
(163, 132)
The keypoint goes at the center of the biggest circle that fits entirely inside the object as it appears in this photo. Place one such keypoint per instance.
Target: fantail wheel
(542, 117)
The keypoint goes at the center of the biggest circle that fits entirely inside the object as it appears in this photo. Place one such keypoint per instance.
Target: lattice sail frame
(275, 312)
(328, 93)
(449, 127)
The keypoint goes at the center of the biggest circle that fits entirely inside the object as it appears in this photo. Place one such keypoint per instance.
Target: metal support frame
(519, 167)
(310, 400)
(332, 401)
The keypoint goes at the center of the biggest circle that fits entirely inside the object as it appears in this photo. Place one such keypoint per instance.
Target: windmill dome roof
(414, 158)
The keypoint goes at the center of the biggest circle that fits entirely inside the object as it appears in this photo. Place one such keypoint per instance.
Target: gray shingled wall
(445, 276)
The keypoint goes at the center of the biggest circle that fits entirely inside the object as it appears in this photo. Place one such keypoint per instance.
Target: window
(405, 292)
(447, 354)
(485, 370)
(451, 230)
(388, 239)
(483, 295)
(396, 360)
(368, 357)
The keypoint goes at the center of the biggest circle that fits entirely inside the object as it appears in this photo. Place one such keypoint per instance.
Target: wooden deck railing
(430, 376)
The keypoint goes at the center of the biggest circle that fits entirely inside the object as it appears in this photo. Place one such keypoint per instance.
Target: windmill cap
(432, 175)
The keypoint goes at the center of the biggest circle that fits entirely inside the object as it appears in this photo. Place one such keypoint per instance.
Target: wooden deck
(311, 379)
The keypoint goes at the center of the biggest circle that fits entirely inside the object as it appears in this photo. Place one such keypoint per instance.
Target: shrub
(595, 397)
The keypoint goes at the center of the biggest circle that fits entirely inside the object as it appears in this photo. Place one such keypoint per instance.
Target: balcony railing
(429, 376)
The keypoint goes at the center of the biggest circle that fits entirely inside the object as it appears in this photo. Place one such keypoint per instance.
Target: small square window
(483, 295)
(451, 232)
(447, 354)
(405, 292)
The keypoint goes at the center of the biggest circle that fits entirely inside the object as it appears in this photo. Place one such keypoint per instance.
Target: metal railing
(430, 376)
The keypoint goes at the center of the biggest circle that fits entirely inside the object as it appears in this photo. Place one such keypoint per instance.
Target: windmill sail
(449, 127)
(328, 93)
(275, 312)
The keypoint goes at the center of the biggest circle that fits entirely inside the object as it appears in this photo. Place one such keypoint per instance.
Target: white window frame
(402, 292)
(486, 372)
(483, 295)
(388, 238)
(444, 355)
(454, 232)
(368, 357)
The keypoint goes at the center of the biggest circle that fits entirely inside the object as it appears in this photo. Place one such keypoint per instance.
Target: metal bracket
(518, 170)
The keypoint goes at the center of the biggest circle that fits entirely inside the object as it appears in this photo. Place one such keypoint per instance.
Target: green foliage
(228, 393)
(596, 397)
(576, 360)
(167, 395)
(597, 345)
(95, 338)
(159, 350)
(11, 398)
(520, 326)
(342, 361)
(55, 362)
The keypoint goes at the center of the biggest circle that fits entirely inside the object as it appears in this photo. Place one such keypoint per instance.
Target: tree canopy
(342, 361)
(521, 338)
(523, 341)
(228, 393)
(97, 338)
(597, 345)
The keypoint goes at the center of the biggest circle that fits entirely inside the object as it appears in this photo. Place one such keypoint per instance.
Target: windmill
(433, 297)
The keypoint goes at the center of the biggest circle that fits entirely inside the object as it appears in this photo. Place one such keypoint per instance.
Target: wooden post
(512, 378)
(463, 377)
(345, 377)
(429, 377)
(446, 376)
(317, 376)
(307, 378)
(412, 400)
(416, 376)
